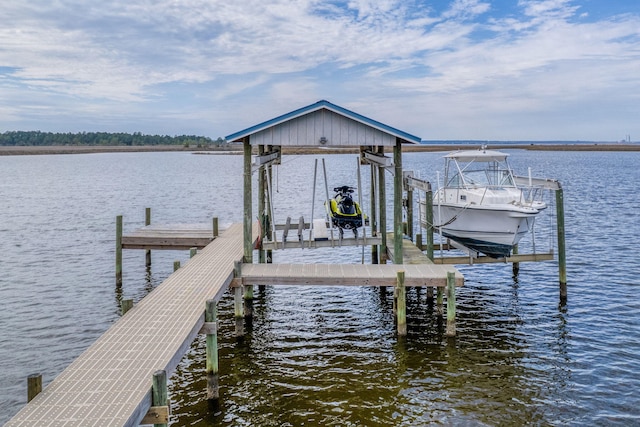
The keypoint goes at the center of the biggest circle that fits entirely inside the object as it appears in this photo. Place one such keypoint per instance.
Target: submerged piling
(211, 322)
(147, 222)
(401, 306)
(562, 260)
(119, 250)
(34, 386)
(451, 304)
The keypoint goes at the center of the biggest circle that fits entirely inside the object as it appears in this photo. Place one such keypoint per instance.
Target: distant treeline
(37, 138)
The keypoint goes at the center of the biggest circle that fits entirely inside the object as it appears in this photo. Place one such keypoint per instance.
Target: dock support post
(410, 211)
(451, 304)
(562, 260)
(176, 265)
(159, 392)
(373, 218)
(429, 220)
(401, 304)
(126, 305)
(382, 202)
(238, 303)
(397, 203)
(147, 222)
(439, 301)
(248, 217)
(193, 252)
(248, 229)
(214, 224)
(119, 250)
(211, 317)
(238, 309)
(34, 386)
(515, 265)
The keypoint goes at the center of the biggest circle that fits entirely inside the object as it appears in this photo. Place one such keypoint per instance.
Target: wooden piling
(34, 386)
(211, 318)
(248, 217)
(176, 265)
(397, 203)
(147, 222)
(439, 301)
(451, 304)
(215, 227)
(429, 294)
(562, 260)
(193, 252)
(401, 304)
(126, 305)
(159, 395)
(516, 265)
(410, 212)
(238, 304)
(429, 220)
(382, 202)
(119, 250)
(373, 217)
(238, 309)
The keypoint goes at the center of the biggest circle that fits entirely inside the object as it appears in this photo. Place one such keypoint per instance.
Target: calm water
(330, 356)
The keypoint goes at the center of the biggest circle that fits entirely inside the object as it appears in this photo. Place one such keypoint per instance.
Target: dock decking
(177, 236)
(110, 383)
(347, 274)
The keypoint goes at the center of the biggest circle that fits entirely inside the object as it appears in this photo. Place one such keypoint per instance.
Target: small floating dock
(170, 236)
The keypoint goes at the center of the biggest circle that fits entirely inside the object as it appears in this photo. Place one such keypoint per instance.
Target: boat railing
(546, 183)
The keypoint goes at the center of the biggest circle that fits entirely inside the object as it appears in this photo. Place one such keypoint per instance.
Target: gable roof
(325, 105)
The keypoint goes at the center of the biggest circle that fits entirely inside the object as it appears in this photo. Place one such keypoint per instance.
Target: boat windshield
(480, 174)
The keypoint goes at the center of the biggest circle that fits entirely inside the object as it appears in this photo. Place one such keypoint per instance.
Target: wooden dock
(110, 384)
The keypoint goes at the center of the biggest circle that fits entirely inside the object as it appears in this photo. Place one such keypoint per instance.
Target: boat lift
(533, 185)
(319, 231)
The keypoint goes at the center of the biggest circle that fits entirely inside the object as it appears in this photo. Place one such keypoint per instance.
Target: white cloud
(392, 57)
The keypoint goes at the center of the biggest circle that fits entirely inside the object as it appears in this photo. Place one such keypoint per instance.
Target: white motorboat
(481, 206)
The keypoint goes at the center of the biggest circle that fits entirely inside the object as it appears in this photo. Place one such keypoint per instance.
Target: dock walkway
(110, 383)
(347, 274)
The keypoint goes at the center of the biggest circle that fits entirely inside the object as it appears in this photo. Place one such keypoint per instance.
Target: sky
(439, 69)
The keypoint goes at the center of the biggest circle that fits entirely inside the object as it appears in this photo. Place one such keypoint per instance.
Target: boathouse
(324, 124)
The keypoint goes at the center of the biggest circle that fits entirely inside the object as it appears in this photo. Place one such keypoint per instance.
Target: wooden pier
(110, 383)
(113, 383)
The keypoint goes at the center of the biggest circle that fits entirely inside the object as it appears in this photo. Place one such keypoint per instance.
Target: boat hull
(493, 231)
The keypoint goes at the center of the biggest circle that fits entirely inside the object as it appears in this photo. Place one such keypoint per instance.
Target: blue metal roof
(329, 106)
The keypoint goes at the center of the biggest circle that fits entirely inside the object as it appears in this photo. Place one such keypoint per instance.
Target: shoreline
(237, 149)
